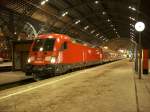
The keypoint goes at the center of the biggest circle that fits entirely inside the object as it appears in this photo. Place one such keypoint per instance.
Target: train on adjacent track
(53, 54)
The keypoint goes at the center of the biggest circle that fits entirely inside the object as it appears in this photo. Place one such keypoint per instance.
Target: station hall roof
(95, 21)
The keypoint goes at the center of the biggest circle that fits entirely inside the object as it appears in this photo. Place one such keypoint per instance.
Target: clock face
(139, 26)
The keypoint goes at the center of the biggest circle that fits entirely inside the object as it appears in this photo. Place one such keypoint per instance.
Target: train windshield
(44, 44)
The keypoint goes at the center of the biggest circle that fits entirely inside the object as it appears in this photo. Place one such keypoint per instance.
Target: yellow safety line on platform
(42, 85)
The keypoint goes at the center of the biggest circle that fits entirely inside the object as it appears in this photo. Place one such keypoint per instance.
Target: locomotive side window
(45, 44)
(64, 46)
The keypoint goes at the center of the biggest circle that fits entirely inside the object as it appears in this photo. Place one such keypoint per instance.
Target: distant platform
(5, 66)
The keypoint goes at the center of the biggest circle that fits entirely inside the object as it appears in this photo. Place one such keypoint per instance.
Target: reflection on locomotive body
(53, 54)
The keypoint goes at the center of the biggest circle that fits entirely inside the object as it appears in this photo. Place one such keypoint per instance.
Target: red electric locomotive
(57, 53)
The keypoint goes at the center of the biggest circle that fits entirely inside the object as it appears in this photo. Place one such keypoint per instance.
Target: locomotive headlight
(47, 58)
(30, 59)
(41, 49)
(53, 59)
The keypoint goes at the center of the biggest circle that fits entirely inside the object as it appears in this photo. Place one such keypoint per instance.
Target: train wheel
(59, 70)
(36, 77)
(28, 74)
(64, 69)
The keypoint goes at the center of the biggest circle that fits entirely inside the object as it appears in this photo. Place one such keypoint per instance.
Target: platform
(111, 87)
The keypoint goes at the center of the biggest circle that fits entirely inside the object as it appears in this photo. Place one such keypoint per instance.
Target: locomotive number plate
(38, 59)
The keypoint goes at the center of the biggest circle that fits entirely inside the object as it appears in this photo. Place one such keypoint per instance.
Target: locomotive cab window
(64, 46)
(44, 44)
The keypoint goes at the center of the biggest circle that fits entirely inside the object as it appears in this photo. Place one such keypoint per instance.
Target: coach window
(64, 46)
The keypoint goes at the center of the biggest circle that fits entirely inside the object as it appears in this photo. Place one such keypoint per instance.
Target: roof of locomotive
(65, 37)
(54, 35)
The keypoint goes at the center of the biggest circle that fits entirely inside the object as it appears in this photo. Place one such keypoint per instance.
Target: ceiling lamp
(96, 2)
(132, 8)
(105, 47)
(77, 22)
(132, 25)
(131, 29)
(132, 18)
(118, 36)
(129, 7)
(108, 20)
(103, 12)
(43, 2)
(97, 34)
(86, 27)
(111, 25)
(114, 29)
(92, 31)
(64, 14)
(101, 36)
(132, 36)
(121, 50)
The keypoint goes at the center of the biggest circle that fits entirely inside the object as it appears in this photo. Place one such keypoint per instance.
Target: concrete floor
(105, 88)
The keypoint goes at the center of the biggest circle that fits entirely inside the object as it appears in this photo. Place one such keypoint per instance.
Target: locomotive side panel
(73, 54)
(93, 56)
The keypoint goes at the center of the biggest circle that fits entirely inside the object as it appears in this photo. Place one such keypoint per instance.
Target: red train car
(58, 53)
(4, 55)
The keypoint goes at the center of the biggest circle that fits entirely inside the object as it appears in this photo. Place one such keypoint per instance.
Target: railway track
(15, 84)
(5, 68)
